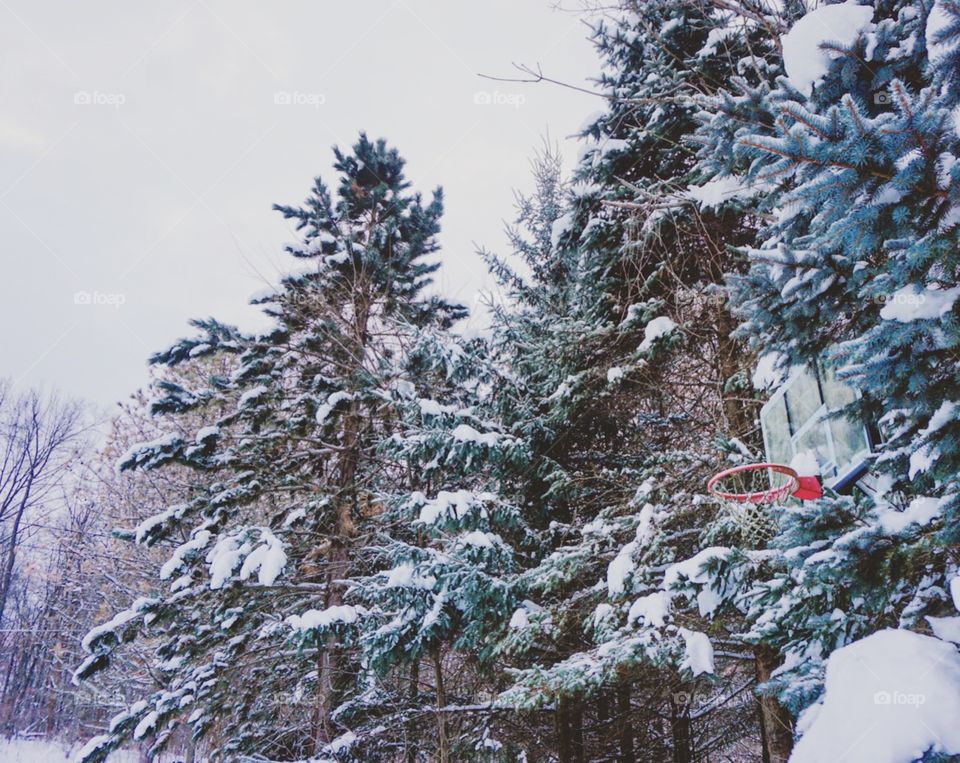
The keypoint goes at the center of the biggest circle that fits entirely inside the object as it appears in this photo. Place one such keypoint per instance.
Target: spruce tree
(256, 640)
(445, 546)
(620, 373)
(855, 269)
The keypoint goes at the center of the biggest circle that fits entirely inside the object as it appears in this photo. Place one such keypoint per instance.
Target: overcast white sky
(142, 145)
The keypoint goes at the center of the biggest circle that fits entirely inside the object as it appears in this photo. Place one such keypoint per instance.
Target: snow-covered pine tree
(254, 634)
(445, 545)
(610, 397)
(857, 269)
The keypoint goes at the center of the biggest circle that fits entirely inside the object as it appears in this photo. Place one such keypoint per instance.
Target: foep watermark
(99, 299)
(98, 98)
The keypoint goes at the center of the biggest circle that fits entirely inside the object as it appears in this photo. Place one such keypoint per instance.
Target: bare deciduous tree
(39, 438)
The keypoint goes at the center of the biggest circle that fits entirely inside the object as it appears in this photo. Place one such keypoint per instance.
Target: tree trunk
(576, 729)
(776, 723)
(411, 730)
(442, 742)
(12, 551)
(320, 731)
(681, 729)
(562, 730)
(606, 727)
(338, 561)
(624, 724)
(730, 356)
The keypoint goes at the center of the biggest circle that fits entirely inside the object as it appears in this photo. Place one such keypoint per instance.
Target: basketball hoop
(750, 489)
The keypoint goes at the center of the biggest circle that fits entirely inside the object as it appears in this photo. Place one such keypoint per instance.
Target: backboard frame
(839, 474)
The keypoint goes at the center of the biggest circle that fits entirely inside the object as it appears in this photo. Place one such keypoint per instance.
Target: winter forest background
(394, 521)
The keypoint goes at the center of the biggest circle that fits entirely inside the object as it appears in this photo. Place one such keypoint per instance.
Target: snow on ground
(889, 697)
(44, 751)
(946, 628)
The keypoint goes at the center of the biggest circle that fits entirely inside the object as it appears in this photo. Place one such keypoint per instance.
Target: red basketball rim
(770, 495)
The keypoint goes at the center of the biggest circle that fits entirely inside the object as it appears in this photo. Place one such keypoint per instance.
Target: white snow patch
(146, 724)
(404, 388)
(141, 451)
(601, 613)
(466, 433)
(324, 618)
(938, 20)
(655, 329)
(652, 609)
(520, 619)
(341, 744)
(267, 559)
(118, 620)
(946, 628)
(941, 417)
(480, 538)
(433, 408)
(560, 226)
(716, 36)
(614, 374)
(669, 25)
(176, 561)
(803, 58)
(889, 697)
(435, 611)
(452, 505)
(622, 565)
(223, 559)
(619, 568)
(769, 371)
(404, 575)
(699, 652)
(645, 525)
(914, 304)
(144, 528)
(921, 511)
(205, 433)
(251, 395)
(18, 750)
(715, 192)
(690, 570)
(921, 460)
(805, 463)
(331, 402)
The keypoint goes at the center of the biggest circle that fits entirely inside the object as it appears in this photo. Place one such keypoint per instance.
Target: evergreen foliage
(498, 546)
